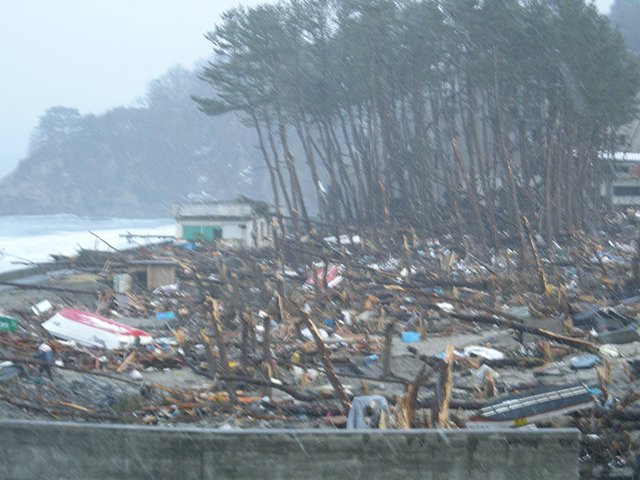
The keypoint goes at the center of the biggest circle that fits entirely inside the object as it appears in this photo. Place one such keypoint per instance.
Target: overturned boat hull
(94, 331)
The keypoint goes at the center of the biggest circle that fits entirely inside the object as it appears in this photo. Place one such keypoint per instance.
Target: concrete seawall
(99, 452)
(33, 273)
(20, 273)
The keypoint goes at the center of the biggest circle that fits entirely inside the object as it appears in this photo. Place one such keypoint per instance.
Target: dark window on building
(626, 191)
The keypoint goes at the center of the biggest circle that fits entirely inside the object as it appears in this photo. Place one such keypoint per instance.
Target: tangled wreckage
(338, 332)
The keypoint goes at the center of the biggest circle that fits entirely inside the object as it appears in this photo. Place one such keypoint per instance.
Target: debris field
(349, 331)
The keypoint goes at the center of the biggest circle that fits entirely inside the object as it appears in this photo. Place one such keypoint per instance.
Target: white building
(239, 223)
(624, 187)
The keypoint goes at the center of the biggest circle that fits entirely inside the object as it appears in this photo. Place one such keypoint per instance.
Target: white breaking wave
(26, 239)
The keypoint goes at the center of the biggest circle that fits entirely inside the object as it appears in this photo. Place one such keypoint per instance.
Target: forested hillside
(134, 161)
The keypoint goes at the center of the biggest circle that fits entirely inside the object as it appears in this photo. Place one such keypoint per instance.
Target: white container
(43, 307)
(123, 283)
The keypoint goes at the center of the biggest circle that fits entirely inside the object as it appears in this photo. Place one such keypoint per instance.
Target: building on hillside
(239, 223)
(623, 189)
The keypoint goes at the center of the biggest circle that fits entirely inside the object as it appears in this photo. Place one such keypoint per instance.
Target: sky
(94, 55)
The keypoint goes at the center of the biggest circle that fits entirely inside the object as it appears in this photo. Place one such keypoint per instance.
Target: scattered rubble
(337, 333)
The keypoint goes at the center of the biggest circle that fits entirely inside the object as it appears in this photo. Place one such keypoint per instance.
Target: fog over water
(25, 239)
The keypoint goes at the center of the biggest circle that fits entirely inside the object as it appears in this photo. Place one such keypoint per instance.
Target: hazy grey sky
(94, 55)
(91, 55)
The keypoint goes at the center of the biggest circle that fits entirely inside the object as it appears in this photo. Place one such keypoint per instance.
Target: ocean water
(27, 239)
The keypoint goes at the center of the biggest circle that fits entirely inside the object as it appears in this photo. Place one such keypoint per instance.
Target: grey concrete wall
(20, 273)
(59, 451)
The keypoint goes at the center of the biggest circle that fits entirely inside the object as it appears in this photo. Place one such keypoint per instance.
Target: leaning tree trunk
(512, 197)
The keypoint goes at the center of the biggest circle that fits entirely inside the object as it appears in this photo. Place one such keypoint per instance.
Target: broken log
(214, 317)
(326, 361)
(440, 411)
(388, 343)
(542, 279)
(412, 395)
(520, 327)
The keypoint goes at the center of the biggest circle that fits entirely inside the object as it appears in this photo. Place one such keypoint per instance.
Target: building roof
(236, 210)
